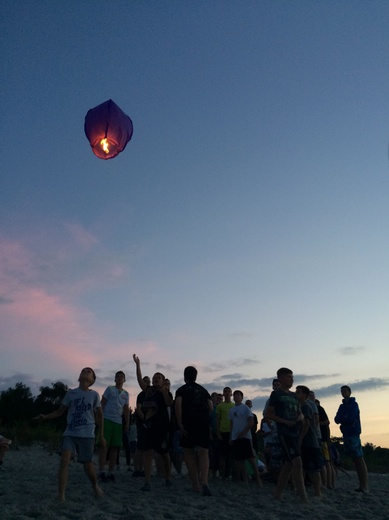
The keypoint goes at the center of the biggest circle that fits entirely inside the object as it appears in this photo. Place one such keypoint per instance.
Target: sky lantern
(108, 129)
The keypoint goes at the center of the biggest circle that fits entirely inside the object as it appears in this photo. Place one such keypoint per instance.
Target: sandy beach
(28, 489)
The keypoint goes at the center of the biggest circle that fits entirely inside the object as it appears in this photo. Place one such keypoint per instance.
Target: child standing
(350, 425)
(223, 433)
(84, 411)
(284, 409)
(114, 403)
(241, 422)
(311, 455)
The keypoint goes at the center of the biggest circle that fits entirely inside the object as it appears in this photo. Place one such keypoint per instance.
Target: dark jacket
(348, 418)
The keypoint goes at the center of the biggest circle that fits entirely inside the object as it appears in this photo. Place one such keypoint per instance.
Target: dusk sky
(246, 225)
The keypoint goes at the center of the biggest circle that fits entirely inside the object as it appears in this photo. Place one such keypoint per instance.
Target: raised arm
(141, 383)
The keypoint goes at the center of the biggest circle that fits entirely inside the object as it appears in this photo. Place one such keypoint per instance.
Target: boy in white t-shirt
(241, 422)
(115, 405)
(83, 413)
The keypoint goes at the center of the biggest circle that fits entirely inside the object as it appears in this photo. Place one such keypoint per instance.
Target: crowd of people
(215, 435)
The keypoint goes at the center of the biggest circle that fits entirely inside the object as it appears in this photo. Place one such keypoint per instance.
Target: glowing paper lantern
(108, 129)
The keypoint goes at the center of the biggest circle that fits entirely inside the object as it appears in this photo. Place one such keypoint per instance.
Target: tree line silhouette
(18, 407)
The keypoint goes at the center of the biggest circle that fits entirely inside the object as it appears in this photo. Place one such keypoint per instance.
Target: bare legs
(148, 465)
(324, 476)
(197, 462)
(291, 468)
(89, 469)
(113, 451)
(361, 468)
(315, 478)
(166, 466)
(253, 464)
(63, 474)
(330, 475)
(91, 474)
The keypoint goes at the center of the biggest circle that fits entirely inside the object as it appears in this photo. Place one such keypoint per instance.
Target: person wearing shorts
(324, 424)
(154, 438)
(348, 416)
(153, 433)
(193, 406)
(312, 458)
(284, 409)
(353, 447)
(241, 423)
(115, 405)
(83, 413)
(223, 433)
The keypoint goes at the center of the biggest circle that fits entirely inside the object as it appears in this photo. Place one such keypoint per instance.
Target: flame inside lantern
(108, 129)
(104, 145)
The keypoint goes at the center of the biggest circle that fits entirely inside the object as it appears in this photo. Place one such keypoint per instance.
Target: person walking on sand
(348, 417)
(83, 413)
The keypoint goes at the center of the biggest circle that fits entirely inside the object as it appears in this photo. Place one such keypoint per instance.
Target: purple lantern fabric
(108, 129)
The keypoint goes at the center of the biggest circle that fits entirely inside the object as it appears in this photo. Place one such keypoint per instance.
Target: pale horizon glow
(243, 228)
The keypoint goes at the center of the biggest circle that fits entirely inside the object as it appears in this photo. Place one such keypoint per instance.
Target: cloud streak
(352, 351)
(39, 318)
(227, 364)
(365, 385)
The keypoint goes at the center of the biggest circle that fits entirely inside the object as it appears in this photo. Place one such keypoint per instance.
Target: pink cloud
(43, 330)
(39, 328)
(81, 235)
